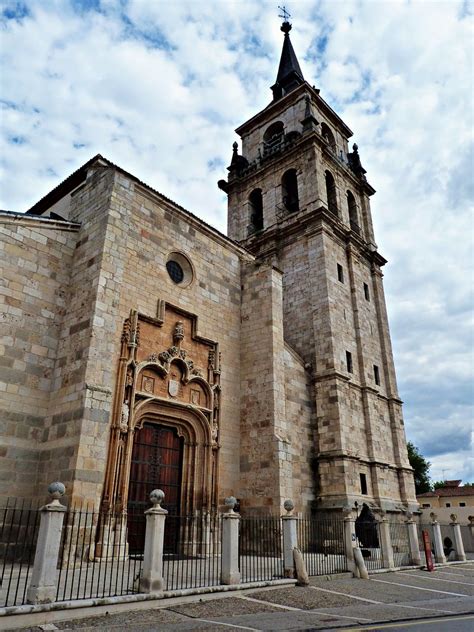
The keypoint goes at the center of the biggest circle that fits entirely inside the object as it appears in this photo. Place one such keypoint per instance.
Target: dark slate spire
(289, 71)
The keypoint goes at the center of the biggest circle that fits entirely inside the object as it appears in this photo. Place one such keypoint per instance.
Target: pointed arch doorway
(156, 463)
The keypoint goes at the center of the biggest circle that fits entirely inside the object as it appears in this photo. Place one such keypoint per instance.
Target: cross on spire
(289, 71)
(285, 15)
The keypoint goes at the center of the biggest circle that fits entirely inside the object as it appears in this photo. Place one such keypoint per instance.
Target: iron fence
(467, 538)
(368, 536)
(321, 542)
(19, 525)
(260, 549)
(192, 557)
(400, 543)
(447, 536)
(95, 559)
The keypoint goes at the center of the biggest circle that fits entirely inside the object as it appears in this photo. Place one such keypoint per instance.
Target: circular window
(179, 269)
(175, 271)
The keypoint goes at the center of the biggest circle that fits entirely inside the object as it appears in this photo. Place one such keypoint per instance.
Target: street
(412, 598)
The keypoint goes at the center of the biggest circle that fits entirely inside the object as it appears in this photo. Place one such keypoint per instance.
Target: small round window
(179, 269)
(175, 271)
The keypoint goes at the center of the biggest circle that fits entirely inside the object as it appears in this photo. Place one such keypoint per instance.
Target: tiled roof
(444, 492)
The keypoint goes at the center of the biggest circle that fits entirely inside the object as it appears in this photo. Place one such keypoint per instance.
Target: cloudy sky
(159, 86)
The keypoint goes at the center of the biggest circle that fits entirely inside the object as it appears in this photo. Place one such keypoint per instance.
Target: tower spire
(289, 72)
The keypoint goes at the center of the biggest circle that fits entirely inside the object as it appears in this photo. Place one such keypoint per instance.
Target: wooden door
(157, 458)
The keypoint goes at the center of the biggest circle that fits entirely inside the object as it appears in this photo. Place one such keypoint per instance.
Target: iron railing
(447, 536)
(368, 536)
(467, 538)
(192, 557)
(19, 525)
(95, 560)
(400, 543)
(321, 542)
(260, 548)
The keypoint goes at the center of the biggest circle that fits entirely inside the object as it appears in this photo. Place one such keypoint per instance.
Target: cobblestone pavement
(323, 605)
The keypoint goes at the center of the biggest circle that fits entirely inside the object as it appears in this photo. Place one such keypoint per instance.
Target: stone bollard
(43, 586)
(458, 543)
(230, 573)
(350, 541)
(151, 580)
(438, 540)
(415, 556)
(471, 532)
(290, 539)
(386, 544)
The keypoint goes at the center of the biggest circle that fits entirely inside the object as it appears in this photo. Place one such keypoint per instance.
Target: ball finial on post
(288, 506)
(56, 490)
(157, 496)
(230, 502)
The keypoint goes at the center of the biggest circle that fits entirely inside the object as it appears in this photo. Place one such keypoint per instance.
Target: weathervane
(284, 13)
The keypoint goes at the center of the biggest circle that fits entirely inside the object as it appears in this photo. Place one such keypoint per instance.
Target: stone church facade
(142, 348)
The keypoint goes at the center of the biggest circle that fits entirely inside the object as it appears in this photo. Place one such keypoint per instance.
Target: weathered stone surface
(265, 332)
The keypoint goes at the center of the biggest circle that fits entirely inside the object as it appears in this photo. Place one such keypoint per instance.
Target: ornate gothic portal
(165, 423)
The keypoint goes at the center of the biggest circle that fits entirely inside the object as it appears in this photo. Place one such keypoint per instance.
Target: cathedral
(143, 349)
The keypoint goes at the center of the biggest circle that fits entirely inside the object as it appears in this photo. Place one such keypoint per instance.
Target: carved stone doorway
(156, 463)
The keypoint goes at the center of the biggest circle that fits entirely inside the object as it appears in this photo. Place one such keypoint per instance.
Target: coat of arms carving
(173, 388)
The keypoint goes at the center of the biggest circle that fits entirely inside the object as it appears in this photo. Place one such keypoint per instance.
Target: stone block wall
(72, 407)
(265, 443)
(35, 267)
(301, 424)
(129, 232)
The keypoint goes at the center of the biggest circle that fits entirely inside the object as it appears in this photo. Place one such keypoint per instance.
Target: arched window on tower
(289, 191)
(274, 132)
(331, 192)
(273, 137)
(256, 211)
(328, 136)
(353, 217)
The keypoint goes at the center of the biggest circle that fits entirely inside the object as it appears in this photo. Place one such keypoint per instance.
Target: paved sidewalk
(344, 602)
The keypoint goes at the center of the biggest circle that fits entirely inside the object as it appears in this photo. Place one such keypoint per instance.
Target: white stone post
(43, 586)
(458, 543)
(151, 580)
(230, 573)
(438, 540)
(471, 531)
(350, 542)
(415, 556)
(386, 544)
(290, 539)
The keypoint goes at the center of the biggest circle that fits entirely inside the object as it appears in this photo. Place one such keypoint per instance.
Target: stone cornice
(305, 142)
(308, 222)
(36, 221)
(341, 454)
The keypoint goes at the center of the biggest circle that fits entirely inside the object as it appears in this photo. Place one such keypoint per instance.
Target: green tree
(421, 469)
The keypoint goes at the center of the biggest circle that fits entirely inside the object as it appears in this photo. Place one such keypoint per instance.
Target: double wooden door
(157, 459)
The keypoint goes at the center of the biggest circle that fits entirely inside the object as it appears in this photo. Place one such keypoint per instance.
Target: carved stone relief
(161, 376)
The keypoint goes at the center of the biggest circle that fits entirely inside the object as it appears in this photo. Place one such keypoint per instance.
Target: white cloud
(159, 87)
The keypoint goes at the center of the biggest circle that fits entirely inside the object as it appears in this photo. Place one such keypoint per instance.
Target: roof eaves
(72, 181)
(279, 102)
(63, 188)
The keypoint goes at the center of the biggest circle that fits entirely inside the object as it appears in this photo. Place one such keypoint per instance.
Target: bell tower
(299, 200)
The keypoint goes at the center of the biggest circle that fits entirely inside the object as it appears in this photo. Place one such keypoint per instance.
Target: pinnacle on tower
(289, 71)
